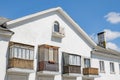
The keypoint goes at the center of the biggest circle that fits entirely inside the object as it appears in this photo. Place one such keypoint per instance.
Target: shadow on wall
(4, 38)
(55, 39)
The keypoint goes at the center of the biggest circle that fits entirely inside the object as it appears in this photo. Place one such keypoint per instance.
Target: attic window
(58, 31)
(56, 26)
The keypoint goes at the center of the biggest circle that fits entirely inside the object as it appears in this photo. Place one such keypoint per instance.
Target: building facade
(49, 45)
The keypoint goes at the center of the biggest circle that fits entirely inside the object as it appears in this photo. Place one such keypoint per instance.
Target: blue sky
(93, 16)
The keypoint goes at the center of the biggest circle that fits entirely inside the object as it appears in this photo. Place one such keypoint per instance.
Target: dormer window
(58, 31)
(56, 27)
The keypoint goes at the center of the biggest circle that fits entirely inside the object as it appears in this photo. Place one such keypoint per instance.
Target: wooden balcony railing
(90, 71)
(47, 66)
(72, 69)
(20, 63)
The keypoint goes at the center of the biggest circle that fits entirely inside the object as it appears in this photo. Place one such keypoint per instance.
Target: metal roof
(107, 51)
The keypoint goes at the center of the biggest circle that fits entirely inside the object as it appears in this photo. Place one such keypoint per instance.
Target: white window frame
(21, 52)
(87, 62)
(119, 67)
(56, 25)
(51, 54)
(102, 66)
(74, 60)
(112, 67)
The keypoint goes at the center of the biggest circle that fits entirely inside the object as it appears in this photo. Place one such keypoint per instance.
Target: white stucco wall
(4, 40)
(38, 31)
(106, 75)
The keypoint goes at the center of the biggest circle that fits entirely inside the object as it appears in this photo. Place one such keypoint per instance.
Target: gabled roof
(64, 14)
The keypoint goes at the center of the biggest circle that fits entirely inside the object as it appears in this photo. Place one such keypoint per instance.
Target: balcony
(48, 66)
(90, 71)
(48, 59)
(20, 63)
(72, 69)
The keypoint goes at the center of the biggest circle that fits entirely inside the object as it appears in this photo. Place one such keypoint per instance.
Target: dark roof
(3, 20)
(107, 51)
(100, 33)
(5, 29)
(3, 24)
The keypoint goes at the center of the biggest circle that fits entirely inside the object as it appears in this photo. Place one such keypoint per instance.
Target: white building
(49, 45)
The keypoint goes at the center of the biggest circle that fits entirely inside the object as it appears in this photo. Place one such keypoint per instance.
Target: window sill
(102, 71)
(19, 70)
(73, 65)
(57, 34)
(112, 72)
(21, 58)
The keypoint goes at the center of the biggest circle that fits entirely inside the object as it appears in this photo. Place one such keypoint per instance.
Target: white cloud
(111, 35)
(113, 17)
(113, 46)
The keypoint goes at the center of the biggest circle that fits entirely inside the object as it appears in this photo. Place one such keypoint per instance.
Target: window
(74, 60)
(51, 54)
(21, 51)
(102, 68)
(58, 31)
(48, 53)
(56, 27)
(112, 70)
(70, 59)
(87, 63)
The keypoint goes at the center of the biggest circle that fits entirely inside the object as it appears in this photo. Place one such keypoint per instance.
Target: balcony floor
(19, 70)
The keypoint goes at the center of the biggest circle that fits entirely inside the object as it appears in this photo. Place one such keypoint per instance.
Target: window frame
(44, 52)
(88, 61)
(56, 27)
(119, 68)
(51, 55)
(112, 67)
(75, 61)
(102, 66)
(54, 55)
(18, 50)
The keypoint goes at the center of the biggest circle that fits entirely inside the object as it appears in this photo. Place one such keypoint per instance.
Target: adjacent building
(49, 45)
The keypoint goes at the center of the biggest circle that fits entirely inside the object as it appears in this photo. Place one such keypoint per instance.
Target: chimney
(101, 39)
